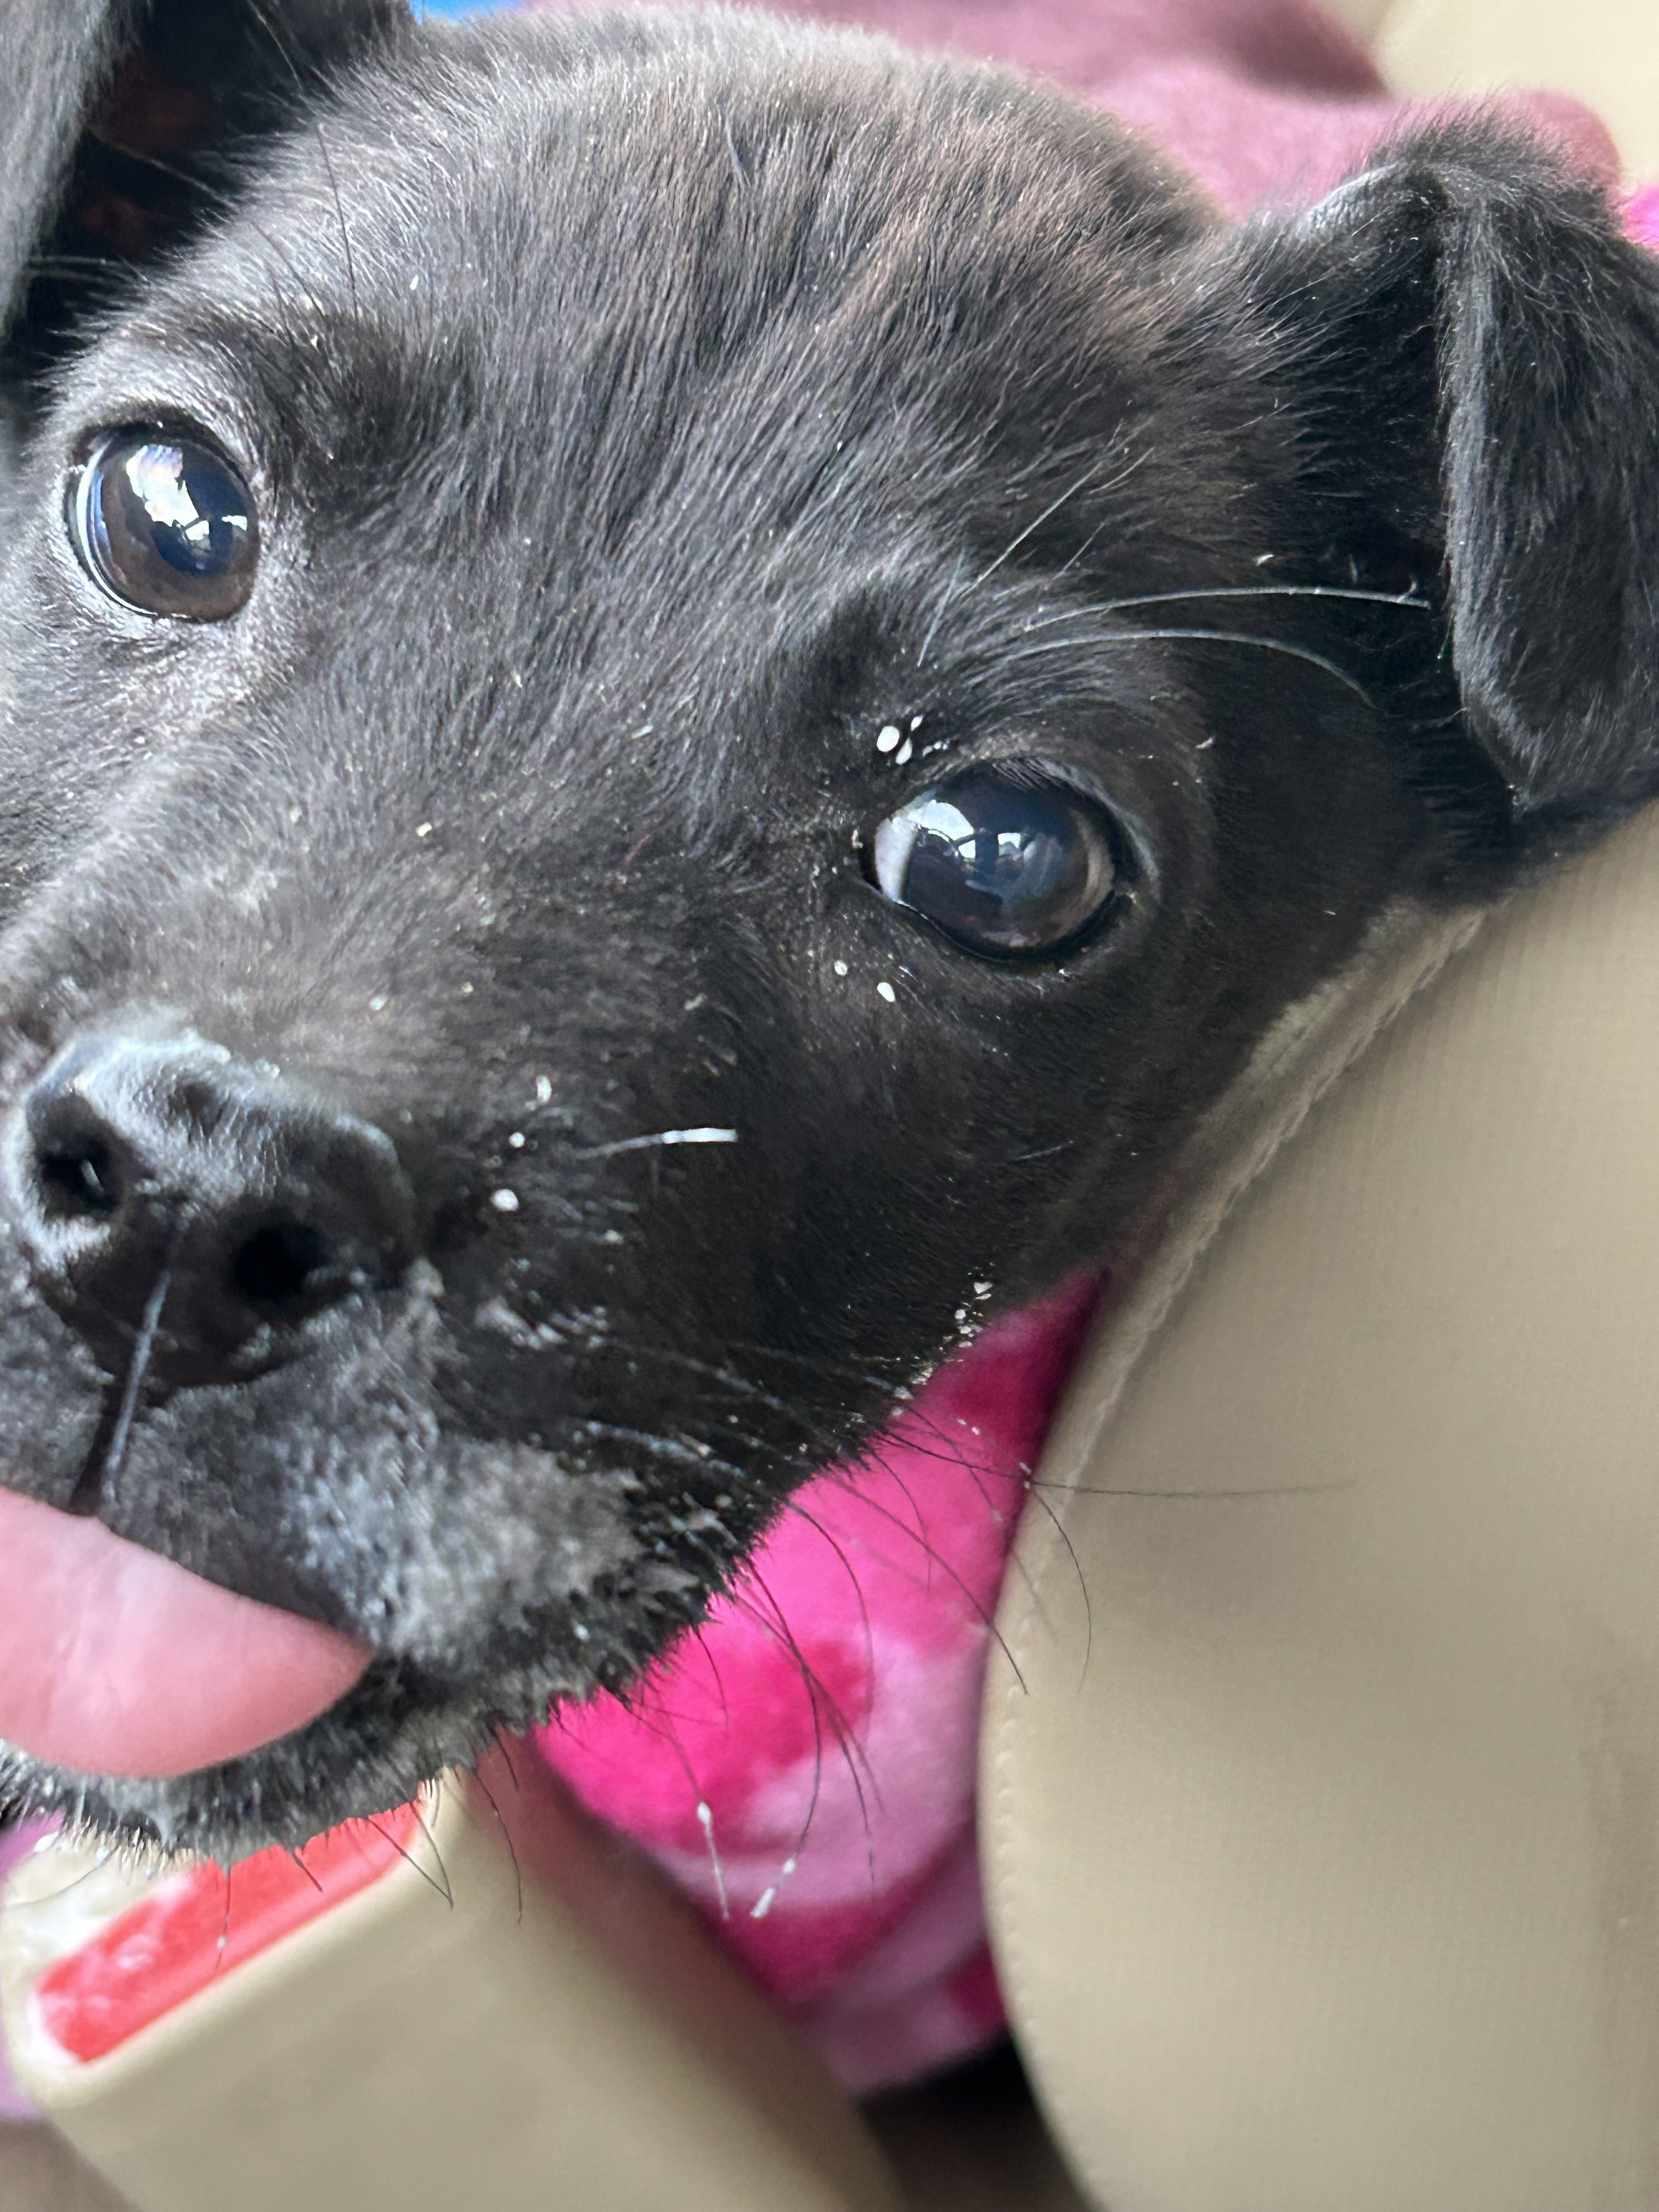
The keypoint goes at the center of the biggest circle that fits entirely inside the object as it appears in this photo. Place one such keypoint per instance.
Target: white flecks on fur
(887, 738)
(580, 1631)
(840, 968)
(982, 1289)
(543, 1091)
(903, 754)
(423, 828)
(377, 1005)
(691, 1005)
(504, 1202)
(499, 1318)
(916, 723)
(516, 1140)
(887, 992)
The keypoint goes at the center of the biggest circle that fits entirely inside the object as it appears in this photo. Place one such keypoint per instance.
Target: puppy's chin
(372, 1749)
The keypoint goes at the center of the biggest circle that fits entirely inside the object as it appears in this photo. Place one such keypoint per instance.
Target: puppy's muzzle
(170, 1196)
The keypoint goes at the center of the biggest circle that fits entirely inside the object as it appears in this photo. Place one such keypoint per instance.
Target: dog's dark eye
(1003, 865)
(165, 522)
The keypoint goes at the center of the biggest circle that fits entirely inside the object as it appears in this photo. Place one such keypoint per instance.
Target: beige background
(1606, 52)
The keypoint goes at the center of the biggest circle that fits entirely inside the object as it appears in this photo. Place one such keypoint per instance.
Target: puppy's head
(673, 692)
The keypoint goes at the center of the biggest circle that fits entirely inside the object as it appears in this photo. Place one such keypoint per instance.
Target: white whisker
(660, 1137)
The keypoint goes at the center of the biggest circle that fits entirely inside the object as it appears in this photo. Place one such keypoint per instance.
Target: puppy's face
(672, 702)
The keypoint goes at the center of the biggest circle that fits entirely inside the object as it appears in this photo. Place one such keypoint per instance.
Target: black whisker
(853, 1755)
(1200, 1496)
(506, 1837)
(1034, 1489)
(441, 1887)
(986, 1620)
(1032, 528)
(284, 51)
(339, 211)
(793, 1505)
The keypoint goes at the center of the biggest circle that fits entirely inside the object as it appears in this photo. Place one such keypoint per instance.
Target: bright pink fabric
(803, 1766)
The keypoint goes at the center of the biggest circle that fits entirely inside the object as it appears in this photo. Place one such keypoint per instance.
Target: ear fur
(119, 111)
(1473, 346)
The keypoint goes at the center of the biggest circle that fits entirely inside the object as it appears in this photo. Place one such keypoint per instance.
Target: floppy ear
(113, 135)
(1473, 346)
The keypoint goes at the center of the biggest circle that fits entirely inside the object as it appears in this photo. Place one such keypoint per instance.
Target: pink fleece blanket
(804, 1766)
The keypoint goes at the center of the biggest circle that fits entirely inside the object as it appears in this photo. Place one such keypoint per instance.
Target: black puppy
(670, 690)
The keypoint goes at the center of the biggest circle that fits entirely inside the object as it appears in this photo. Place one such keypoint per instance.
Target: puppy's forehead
(560, 234)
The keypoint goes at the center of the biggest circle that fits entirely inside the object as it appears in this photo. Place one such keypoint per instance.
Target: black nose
(168, 1179)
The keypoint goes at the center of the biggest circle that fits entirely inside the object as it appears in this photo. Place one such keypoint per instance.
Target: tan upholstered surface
(1331, 1878)
(1606, 52)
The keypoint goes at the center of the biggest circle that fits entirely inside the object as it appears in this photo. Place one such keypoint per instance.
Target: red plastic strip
(194, 1927)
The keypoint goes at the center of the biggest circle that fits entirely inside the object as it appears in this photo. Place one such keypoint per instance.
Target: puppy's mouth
(275, 1548)
(116, 1661)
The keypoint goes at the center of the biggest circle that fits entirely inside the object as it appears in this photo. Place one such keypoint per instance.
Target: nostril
(283, 1265)
(78, 1179)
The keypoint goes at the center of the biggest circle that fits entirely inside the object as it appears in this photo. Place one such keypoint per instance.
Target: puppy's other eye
(1004, 865)
(165, 522)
